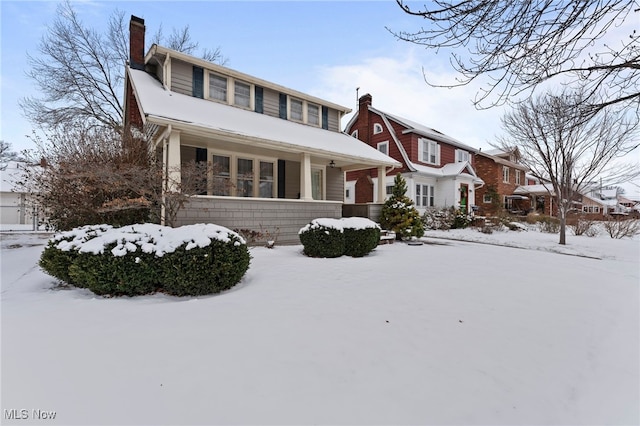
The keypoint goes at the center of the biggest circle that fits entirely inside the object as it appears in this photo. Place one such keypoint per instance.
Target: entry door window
(245, 178)
(316, 184)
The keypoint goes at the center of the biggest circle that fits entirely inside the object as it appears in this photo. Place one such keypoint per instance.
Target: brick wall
(250, 213)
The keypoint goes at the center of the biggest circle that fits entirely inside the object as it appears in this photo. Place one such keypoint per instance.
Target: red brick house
(502, 174)
(438, 169)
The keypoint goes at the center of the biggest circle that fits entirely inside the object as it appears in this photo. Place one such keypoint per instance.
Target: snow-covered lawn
(449, 332)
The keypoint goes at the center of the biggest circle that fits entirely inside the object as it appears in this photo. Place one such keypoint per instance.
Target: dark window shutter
(198, 82)
(259, 100)
(201, 154)
(325, 118)
(283, 106)
(280, 178)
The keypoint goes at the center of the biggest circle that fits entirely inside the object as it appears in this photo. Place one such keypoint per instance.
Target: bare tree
(7, 154)
(521, 44)
(80, 71)
(569, 145)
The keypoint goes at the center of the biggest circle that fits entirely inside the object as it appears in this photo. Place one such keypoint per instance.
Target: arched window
(377, 128)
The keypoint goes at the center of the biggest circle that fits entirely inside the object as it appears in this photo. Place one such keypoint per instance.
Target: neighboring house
(502, 174)
(280, 153)
(437, 168)
(17, 212)
(600, 202)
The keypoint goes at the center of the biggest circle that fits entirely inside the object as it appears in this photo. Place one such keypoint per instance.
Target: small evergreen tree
(399, 214)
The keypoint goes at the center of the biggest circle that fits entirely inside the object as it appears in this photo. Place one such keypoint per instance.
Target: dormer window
(296, 109)
(242, 94)
(428, 152)
(377, 128)
(218, 87)
(461, 155)
(313, 115)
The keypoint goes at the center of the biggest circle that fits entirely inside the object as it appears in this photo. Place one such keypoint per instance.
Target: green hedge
(322, 238)
(327, 237)
(141, 259)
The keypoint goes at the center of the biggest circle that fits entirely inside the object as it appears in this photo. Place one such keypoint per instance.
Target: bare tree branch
(519, 45)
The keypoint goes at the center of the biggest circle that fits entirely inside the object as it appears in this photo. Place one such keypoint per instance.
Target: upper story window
(296, 109)
(313, 114)
(242, 94)
(377, 128)
(518, 172)
(383, 147)
(505, 174)
(428, 151)
(218, 87)
(462, 155)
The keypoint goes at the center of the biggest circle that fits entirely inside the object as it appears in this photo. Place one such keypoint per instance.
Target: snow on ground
(450, 332)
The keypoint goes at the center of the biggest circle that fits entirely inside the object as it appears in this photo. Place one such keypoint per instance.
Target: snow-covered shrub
(323, 237)
(215, 267)
(326, 237)
(461, 219)
(438, 219)
(59, 254)
(361, 236)
(548, 224)
(139, 259)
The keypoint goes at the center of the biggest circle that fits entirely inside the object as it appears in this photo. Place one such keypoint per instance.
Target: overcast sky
(324, 48)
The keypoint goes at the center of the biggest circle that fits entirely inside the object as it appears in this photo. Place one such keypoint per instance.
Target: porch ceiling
(239, 129)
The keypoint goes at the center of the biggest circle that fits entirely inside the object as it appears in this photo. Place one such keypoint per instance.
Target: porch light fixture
(332, 164)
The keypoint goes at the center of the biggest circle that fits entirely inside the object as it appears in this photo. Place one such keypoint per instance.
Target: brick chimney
(132, 117)
(364, 131)
(136, 43)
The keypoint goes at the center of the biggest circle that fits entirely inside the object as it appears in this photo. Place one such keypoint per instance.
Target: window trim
(290, 100)
(251, 95)
(430, 143)
(518, 178)
(233, 172)
(385, 144)
(319, 109)
(377, 128)
(505, 174)
(462, 151)
(425, 195)
(208, 88)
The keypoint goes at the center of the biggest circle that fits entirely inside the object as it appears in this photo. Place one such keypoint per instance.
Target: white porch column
(382, 187)
(173, 162)
(305, 177)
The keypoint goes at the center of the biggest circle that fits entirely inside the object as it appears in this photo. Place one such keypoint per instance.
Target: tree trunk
(562, 212)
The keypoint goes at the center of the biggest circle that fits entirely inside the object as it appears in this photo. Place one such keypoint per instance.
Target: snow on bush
(140, 259)
(327, 237)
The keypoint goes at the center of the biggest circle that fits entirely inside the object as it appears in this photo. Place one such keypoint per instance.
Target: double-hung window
(221, 174)
(296, 109)
(518, 172)
(461, 155)
(242, 94)
(244, 181)
(266, 179)
(505, 174)
(425, 195)
(428, 152)
(313, 114)
(218, 87)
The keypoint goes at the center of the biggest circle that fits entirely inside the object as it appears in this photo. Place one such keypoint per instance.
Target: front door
(464, 198)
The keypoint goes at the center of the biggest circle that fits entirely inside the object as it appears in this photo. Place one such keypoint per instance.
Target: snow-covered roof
(162, 106)
(539, 189)
(11, 176)
(448, 170)
(414, 127)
